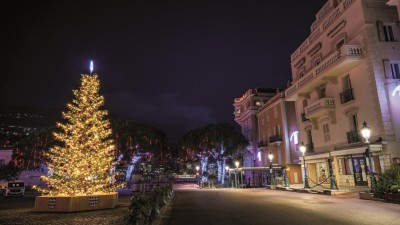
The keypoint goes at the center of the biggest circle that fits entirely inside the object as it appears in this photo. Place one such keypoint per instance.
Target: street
(219, 206)
(260, 206)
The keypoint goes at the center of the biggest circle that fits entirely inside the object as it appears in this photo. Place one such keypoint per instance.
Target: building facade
(278, 135)
(347, 72)
(245, 112)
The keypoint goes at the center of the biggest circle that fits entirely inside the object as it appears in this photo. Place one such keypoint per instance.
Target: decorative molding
(314, 122)
(315, 49)
(336, 29)
(332, 80)
(350, 111)
(300, 62)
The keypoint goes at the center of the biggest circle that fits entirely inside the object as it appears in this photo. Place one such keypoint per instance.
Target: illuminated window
(340, 166)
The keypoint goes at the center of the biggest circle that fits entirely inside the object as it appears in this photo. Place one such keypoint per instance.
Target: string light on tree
(81, 164)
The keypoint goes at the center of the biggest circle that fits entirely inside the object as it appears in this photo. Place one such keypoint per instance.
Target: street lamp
(271, 157)
(366, 133)
(237, 168)
(229, 176)
(303, 149)
(197, 175)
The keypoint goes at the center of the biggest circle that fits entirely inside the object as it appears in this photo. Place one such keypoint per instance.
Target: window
(382, 163)
(327, 136)
(394, 68)
(347, 94)
(310, 146)
(388, 30)
(301, 74)
(321, 91)
(317, 62)
(340, 44)
(340, 166)
(353, 122)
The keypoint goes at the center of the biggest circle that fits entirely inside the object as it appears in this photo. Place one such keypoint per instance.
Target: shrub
(391, 177)
(395, 189)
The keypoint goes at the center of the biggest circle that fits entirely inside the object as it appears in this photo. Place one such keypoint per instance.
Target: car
(15, 188)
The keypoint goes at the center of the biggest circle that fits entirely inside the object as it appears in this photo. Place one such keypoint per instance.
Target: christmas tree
(82, 163)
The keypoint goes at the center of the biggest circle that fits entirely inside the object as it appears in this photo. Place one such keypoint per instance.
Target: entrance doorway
(360, 171)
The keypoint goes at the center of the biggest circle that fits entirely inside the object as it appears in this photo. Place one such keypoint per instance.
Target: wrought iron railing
(346, 96)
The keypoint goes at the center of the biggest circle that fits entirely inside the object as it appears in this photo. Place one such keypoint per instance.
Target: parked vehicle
(15, 188)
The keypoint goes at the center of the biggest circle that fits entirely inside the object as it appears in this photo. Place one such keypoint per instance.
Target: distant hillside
(28, 116)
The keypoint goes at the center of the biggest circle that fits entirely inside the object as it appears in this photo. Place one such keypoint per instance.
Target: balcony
(275, 139)
(346, 96)
(333, 66)
(320, 108)
(262, 144)
(353, 137)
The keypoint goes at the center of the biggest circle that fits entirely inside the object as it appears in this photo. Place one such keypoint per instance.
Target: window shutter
(381, 32)
(388, 71)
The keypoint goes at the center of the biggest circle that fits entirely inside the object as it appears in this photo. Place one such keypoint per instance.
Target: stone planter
(393, 197)
(366, 195)
(76, 203)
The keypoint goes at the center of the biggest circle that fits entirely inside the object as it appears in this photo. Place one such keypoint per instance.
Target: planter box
(76, 203)
(393, 197)
(366, 195)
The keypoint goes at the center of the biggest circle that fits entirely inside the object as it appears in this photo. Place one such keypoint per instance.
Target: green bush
(390, 178)
(395, 189)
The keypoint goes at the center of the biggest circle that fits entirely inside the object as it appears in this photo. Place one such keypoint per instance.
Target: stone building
(344, 73)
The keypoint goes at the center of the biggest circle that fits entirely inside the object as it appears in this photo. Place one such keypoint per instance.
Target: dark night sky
(172, 65)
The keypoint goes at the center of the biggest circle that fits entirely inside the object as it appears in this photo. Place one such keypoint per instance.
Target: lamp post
(237, 168)
(303, 149)
(229, 176)
(197, 175)
(366, 133)
(271, 157)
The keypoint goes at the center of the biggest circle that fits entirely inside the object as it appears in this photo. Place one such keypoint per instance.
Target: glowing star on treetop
(91, 66)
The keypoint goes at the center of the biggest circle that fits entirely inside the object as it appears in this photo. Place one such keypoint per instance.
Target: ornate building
(245, 111)
(347, 72)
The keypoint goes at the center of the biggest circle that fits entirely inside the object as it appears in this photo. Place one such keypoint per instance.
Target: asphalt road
(193, 206)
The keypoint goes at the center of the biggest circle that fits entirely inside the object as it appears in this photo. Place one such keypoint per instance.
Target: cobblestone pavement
(19, 210)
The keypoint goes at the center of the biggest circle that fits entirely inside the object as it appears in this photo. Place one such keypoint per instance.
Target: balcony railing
(353, 136)
(319, 107)
(334, 65)
(275, 138)
(346, 96)
(262, 144)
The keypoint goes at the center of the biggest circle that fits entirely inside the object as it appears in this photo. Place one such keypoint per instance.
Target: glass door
(360, 171)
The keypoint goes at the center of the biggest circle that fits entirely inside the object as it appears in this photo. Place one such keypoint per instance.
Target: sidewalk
(322, 190)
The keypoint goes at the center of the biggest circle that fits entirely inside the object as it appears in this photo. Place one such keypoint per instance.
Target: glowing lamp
(303, 148)
(366, 132)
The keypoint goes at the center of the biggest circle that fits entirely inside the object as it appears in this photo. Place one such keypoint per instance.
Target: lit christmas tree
(81, 164)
